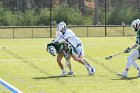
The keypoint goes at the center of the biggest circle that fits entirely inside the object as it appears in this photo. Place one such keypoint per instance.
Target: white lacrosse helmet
(52, 50)
(61, 26)
(136, 25)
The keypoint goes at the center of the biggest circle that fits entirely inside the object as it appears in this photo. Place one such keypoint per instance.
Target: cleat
(70, 73)
(64, 73)
(93, 70)
(125, 75)
(139, 74)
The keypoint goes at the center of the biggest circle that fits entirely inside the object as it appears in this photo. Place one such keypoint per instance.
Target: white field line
(9, 87)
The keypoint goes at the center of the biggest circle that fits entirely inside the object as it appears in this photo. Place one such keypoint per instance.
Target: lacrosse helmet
(51, 49)
(61, 27)
(136, 25)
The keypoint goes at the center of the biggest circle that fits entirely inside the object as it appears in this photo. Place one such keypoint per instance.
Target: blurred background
(104, 14)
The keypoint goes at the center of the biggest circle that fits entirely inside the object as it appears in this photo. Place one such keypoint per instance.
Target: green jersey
(138, 38)
(59, 47)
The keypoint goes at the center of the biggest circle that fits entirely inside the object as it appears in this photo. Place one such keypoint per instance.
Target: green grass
(25, 64)
(4, 90)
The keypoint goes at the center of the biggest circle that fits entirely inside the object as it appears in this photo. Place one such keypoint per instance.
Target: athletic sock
(89, 65)
(136, 65)
(86, 65)
(63, 70)
(70, 70)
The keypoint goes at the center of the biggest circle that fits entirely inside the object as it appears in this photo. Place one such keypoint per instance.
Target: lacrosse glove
(127, 50)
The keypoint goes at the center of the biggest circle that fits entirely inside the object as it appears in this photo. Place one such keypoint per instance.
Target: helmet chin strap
(63, 32)
(135, 29)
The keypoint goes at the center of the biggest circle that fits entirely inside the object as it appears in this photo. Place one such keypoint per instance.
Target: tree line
(74, 12)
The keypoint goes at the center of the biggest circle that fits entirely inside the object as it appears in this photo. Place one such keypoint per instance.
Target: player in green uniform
(136, 53)
(61, 50)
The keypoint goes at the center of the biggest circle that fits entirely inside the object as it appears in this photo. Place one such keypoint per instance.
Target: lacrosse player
(136, 53)
(55, 48)
(67, 36)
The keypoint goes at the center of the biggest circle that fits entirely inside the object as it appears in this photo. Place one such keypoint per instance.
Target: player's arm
(136, 44)
(133, 47)
(69, 34)
(130, 48)
(57, 39)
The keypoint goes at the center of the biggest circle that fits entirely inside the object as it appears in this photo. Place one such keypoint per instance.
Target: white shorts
(80, 51)
(134, 55)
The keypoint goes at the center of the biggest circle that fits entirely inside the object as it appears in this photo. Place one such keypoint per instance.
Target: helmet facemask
(52, 50)
(136, 25)
(61, 27)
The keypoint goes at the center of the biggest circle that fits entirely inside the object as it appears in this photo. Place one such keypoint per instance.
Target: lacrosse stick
(110, 57)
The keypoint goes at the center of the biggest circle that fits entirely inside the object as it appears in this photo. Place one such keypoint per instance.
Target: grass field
(25, 64)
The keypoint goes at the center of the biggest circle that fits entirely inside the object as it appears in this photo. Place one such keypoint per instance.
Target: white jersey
(70, 37)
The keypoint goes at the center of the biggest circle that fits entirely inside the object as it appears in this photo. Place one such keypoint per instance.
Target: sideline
(10, 87)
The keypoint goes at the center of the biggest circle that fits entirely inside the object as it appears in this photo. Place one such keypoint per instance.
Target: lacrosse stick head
(108, 58)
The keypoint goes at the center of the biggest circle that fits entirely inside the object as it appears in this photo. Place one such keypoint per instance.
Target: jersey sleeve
(58, 37)
(138, 38)
(69, 34)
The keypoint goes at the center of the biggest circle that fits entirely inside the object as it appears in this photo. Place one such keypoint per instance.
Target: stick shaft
(110, 57)
(117, 54)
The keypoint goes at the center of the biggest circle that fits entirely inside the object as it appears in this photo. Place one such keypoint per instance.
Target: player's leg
(137, 67)
(70, 68)
(134, 63)
(59, 58)
(80, 53)
(67, 57)
(76, 58)
(68, 63)
(80, 60)
(131, 61)
(93, 69)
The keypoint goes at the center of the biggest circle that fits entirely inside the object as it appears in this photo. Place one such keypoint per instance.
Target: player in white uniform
(136, 53)
(68, 36)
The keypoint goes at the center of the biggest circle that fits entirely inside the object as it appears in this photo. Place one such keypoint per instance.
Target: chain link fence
(81, 31)
(85, 17)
